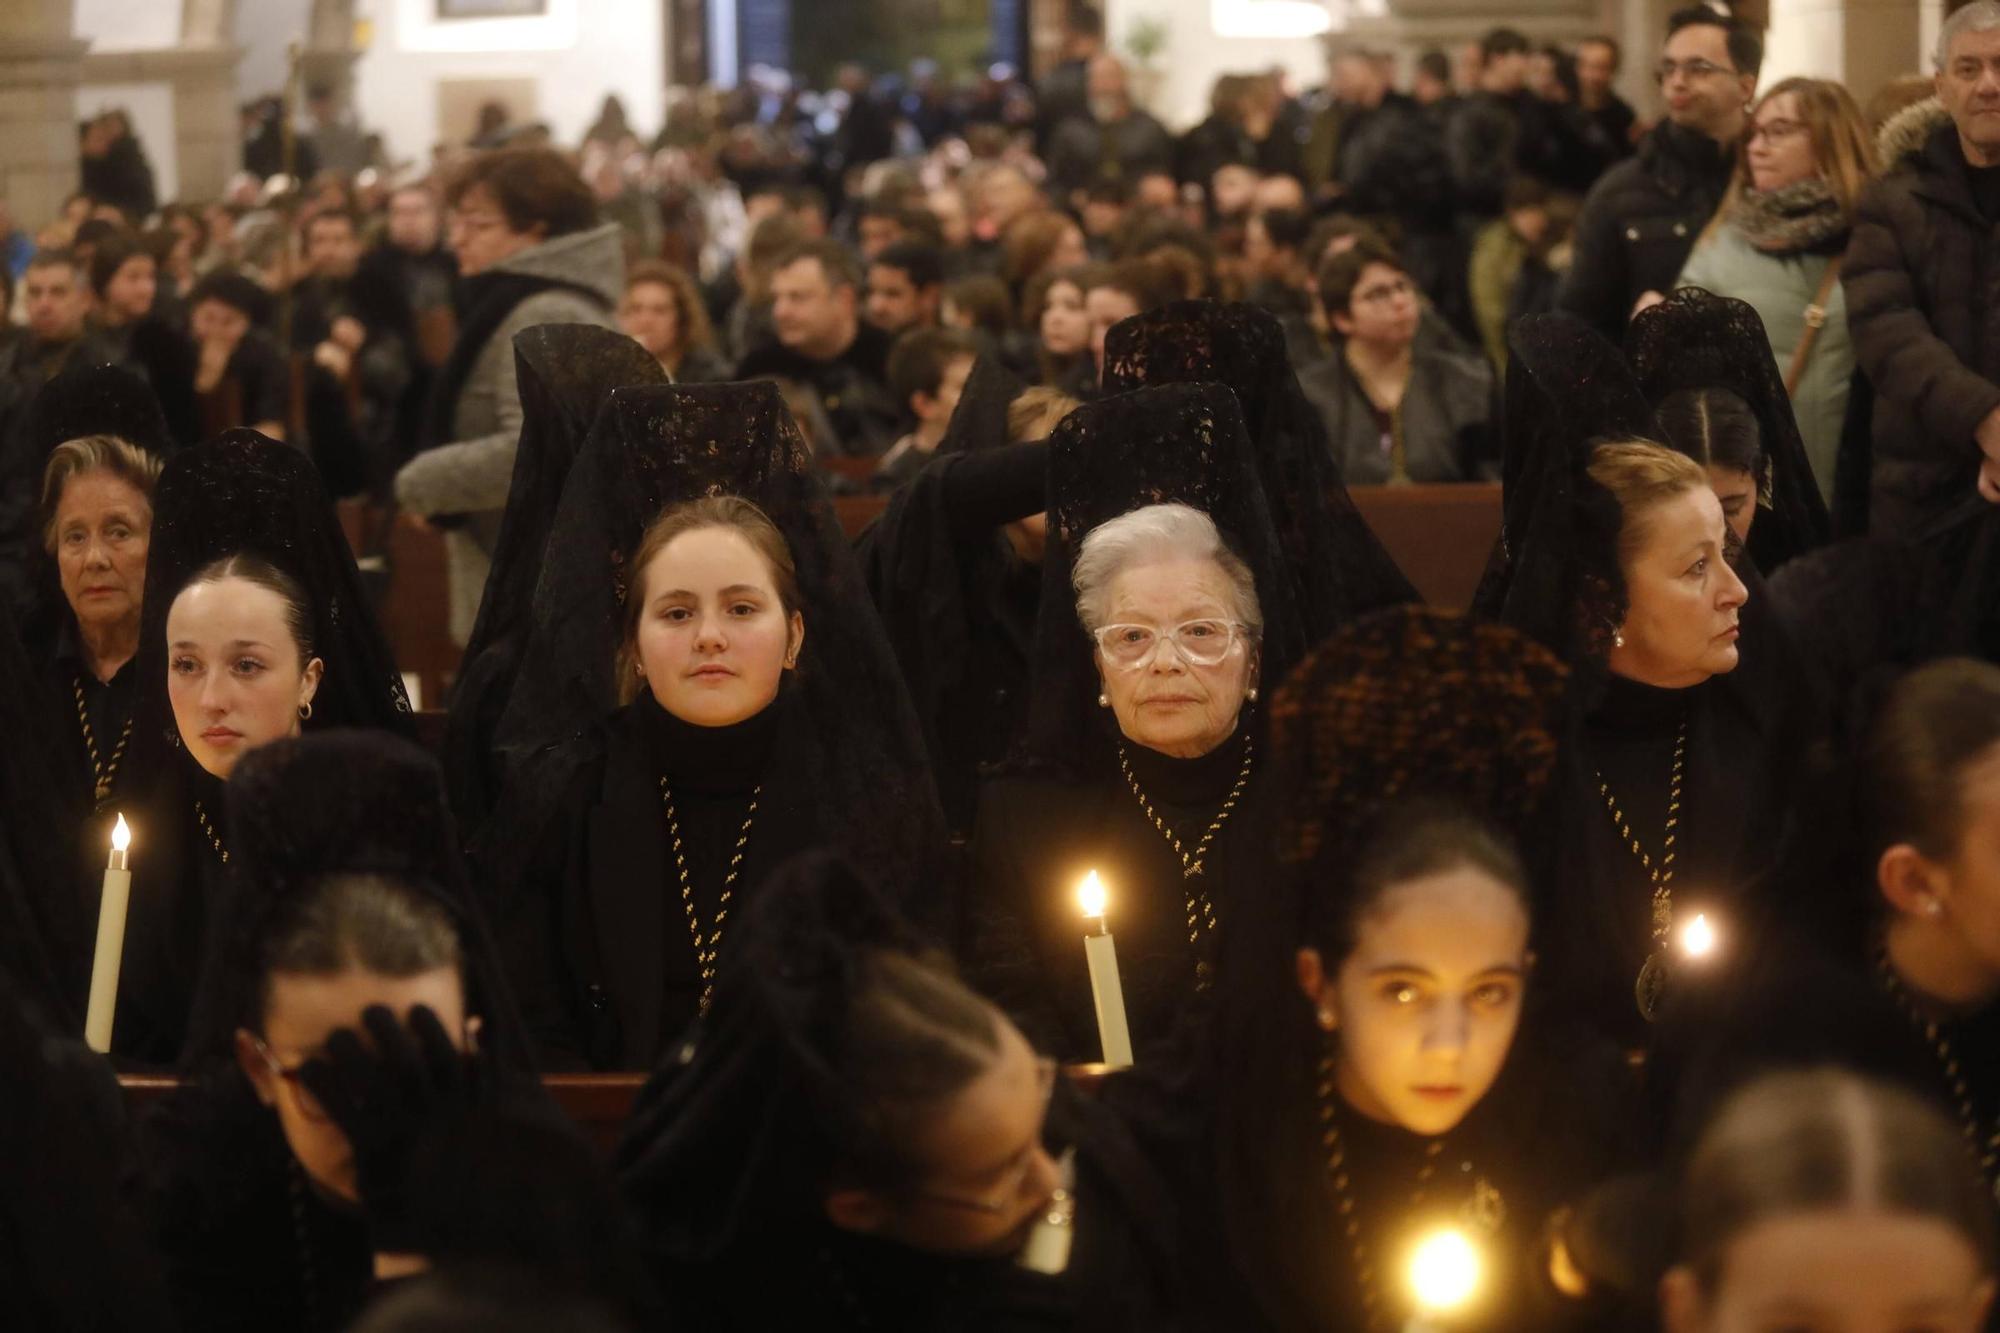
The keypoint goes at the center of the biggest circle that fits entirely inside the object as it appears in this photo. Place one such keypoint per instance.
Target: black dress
(599, 943)
(1039, 836)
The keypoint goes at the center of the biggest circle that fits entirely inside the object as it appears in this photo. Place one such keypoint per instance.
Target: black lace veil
(1554, 571)
(1698, 340)
(655, 447)
(1340, 568)
(1178, 443)
(566, 373)
(980, 419)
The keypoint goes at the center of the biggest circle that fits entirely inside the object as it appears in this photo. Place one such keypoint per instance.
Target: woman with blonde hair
(1777, 243)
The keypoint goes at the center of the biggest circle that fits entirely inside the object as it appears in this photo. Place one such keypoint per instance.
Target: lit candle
(110, 940)
(1698, 938)
(1105, 990)
(1445, 1270)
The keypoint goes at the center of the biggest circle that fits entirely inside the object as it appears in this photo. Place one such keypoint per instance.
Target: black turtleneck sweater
(711, 775)
(1036, 839)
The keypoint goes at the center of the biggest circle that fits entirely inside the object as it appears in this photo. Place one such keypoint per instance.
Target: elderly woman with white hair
(1143, 763)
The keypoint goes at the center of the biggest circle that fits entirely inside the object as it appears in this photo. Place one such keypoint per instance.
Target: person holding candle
(854, 1139)
(1690, 713)
(1377, 1090)
(1820, 1201)
(704, 693)
(256, 628)
(1164, 611)
(357, 1101)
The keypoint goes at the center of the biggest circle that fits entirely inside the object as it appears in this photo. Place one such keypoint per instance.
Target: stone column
(41, 63)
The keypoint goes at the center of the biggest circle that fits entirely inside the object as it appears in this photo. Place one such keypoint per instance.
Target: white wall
(580, 51)
(130, 25)
(1195, 56)
(264, 28)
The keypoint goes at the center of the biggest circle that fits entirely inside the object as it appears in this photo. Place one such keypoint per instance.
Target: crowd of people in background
(1538, 925)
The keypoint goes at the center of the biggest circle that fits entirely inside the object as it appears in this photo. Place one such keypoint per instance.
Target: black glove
(411, 1089)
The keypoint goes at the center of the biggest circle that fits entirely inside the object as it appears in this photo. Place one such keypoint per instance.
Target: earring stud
(1618, 638)
(1104, 701)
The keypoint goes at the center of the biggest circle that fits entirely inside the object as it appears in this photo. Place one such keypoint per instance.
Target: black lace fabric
(566, 373)
(1554, 571)
(1698, 340)
(655, 447)
(1179, 443)
(95, 400)
(242, 492)
(1340, 569)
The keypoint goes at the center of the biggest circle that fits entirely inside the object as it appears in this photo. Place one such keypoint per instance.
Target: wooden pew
(1440, 535)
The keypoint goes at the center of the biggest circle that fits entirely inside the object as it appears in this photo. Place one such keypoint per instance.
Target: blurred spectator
(338, 143)
(1116, 141)
(1431, 88)
(927, 370)
(57, 298)
(1114, 292)
(1280, 281)
(1054, 314)
(1609, 120)
(124, 280)
(905, 288)
(1395, 411)
(16, 246)
(1064, 94)
(241, 378)
(1221, 140)
(1039, 243)
(1498, 254)
(823, 343)
(1641, 219)
(264, 142)
(530, 251)
(1105, 207)
(1489, 131)
(662, 312)
(978, 304)
(1777, 242)
(115, 169)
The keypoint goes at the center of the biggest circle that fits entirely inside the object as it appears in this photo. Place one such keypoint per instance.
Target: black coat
(596, 940)
(1639, 223)
(1038, 837)
(852, 388)
(1923, 309)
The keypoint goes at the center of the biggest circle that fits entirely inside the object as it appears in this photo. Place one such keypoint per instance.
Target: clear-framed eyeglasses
(1007, 1188)
(1202, 643)
(1695, 68)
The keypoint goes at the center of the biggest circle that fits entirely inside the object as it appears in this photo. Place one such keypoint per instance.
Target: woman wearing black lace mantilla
(1165, 610)
(705, 691)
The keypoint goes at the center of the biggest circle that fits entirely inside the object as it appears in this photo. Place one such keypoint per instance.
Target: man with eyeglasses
(1920, 300)
(1641, 219)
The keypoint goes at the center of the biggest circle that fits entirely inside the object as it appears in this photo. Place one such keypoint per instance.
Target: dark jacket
(1083, 152)
(1447, 417)
(1640, 221)
(1484, 138)
(1390, 162)
(1923, 309)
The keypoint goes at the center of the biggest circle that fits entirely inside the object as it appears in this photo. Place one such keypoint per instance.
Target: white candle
(1445, 1273)
(1699, 939)
(110, 941)
(1105, 990)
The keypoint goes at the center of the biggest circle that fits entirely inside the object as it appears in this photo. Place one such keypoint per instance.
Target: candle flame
(121, 835)
(1090, 895)
(1699, 939)
(1445, 1270)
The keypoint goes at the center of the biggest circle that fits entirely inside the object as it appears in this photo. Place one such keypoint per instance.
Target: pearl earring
(1103, 700)
(1252, 695)
(1327, 1019)
(1933, 908)
(1618, 638)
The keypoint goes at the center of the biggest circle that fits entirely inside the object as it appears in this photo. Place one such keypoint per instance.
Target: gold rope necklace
(706, 949)
(1652, 980)
(1485, 1211)
(214, 840)
(1985, 1145)
(102, 773)
(1200, 908)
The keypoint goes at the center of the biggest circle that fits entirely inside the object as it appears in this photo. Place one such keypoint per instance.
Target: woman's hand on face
(389, 1096)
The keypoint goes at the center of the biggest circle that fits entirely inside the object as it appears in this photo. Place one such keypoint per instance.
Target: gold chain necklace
(1484, 1211)
(103, 774)
(707, 949)
(1200, 908)
(1987, 1148)
(208, 828)
(1652, 981)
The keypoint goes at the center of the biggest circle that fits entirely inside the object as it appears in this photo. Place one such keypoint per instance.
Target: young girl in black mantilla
(1393, 1133)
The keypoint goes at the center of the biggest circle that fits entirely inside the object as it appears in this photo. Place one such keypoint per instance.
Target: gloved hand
(411, 1089)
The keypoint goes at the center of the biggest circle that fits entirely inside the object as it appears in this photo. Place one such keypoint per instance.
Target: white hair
(1979, 16)
(1158, 532)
